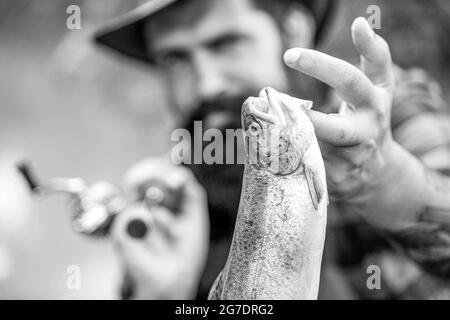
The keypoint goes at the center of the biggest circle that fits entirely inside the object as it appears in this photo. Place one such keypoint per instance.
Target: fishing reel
(94, 207)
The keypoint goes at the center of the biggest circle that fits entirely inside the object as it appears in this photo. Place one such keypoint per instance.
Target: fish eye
(254, 128)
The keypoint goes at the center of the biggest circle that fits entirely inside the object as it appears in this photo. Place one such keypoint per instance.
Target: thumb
(341, 130)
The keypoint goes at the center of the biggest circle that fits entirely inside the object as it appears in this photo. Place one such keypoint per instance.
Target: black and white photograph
(233, 150)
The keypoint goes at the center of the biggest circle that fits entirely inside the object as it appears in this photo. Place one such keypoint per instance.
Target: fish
(277, 246)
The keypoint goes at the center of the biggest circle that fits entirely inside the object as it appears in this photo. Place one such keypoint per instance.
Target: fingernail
(291, 56)
(369, 28)
(364, 24)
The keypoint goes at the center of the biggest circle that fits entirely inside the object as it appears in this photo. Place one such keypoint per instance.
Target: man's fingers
(375, 54)
(352, 84)
(155, 169)
(340, 130)
(191, 214)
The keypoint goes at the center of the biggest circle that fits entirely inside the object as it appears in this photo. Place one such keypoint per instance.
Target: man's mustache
(221, 113)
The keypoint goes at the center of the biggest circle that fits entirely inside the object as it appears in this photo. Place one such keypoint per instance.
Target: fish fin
(315, 185)
(216, 290)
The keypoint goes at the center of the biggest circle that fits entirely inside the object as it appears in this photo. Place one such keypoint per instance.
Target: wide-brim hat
(125, 34)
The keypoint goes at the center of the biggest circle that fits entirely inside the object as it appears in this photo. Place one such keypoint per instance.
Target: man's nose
(211, 80)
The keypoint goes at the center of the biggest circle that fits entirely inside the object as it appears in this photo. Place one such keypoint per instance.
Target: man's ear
(299, 27)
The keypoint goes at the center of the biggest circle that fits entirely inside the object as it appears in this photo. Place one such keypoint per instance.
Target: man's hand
(367, 172)
(362, 160)
(168, 262)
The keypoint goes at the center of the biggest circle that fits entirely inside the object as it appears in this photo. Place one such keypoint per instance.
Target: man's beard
(222, 182)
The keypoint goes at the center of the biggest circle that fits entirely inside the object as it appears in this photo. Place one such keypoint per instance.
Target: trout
(278, 240)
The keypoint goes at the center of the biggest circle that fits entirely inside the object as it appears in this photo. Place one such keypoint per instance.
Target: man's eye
(225, 43)
(173, 62)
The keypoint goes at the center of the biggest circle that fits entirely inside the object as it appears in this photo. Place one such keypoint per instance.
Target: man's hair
(278, 9)
(321, 12)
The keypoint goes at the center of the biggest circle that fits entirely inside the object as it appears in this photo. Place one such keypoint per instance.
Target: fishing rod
(95, 206)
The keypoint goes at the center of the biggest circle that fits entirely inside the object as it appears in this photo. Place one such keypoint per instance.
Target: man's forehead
(190, 14)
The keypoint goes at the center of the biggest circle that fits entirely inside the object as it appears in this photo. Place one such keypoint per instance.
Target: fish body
(277, 246)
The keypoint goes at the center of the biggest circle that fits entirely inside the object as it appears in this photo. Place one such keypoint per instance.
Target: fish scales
(278, 240)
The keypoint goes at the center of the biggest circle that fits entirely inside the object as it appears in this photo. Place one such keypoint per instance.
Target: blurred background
(74, 110)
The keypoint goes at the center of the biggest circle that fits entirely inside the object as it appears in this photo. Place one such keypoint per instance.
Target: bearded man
(384, 134)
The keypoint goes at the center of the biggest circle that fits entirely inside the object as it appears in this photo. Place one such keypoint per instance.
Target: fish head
(277, 131)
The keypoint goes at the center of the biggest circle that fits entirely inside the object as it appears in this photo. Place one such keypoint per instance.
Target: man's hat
(125, 33)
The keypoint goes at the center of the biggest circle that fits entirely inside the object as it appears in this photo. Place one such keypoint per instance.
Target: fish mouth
(266, 107)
